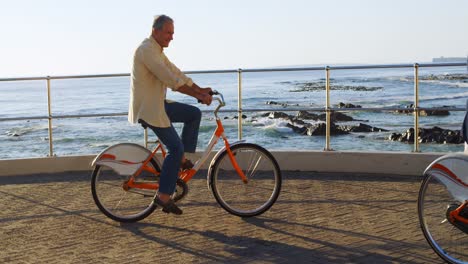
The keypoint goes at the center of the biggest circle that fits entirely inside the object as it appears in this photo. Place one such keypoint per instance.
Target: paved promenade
(318, 218)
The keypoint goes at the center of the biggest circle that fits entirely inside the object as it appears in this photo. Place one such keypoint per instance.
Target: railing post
(327, 109)
(239, 104)
(49, 118)
(145, 137)
(416, 108)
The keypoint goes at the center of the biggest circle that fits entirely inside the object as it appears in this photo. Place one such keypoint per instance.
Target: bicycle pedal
(464, 212)
(460, 225)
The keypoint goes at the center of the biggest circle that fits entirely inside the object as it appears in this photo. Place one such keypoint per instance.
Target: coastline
(78, 129)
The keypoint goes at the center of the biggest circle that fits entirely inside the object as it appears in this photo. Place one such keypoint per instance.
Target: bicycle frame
(187, 175)
(455, 214)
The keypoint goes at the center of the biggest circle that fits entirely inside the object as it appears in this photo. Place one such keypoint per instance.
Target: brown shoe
(168, 207)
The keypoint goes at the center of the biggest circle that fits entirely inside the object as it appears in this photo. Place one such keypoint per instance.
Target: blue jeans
(191, 117)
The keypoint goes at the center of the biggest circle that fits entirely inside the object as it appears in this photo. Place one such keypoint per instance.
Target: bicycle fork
(220, 133)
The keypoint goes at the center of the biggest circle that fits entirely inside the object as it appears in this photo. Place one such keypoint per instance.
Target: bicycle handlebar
(210, 93)
(221, 101)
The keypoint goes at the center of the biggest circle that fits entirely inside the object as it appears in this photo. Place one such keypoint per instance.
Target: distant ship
(450, 59)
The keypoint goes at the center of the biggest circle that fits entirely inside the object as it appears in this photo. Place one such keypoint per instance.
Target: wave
(21, 131)
(278, 125)
(447, 83)
(266, 122)
(441, 97)
(101, 145)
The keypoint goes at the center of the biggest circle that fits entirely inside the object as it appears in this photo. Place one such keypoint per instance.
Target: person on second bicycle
(152, 73)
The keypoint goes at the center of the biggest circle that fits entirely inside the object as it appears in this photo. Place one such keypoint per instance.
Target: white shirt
(152, 74)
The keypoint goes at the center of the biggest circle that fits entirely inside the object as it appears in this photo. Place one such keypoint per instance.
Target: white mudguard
(124, 158)
(452, 171)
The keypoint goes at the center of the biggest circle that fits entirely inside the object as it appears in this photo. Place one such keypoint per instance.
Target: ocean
(290, 90)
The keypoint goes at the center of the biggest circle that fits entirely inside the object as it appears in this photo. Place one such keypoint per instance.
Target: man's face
(164, 35)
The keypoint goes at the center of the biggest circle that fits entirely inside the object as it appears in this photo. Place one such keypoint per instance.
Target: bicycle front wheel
(434, 203)
(263, 180)
(118, 202)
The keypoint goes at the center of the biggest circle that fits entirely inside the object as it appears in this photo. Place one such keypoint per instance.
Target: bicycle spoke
(109, 184)
(118, 204)
(254, 169)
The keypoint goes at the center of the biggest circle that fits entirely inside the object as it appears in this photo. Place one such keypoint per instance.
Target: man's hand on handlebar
(207, 90)
(205, 97)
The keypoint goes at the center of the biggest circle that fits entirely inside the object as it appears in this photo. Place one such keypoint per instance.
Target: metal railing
(327, 108)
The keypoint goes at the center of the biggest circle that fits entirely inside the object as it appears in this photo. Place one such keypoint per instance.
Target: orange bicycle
(443, 204)
(244, 178)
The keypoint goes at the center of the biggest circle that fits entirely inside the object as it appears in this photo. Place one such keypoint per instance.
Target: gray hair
(160, 20)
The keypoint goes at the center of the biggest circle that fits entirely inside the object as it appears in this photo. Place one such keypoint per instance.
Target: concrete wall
(321, 161)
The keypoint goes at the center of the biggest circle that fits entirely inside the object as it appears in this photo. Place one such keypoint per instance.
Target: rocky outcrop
(280, 104)
(429, 135)
(312, 86)
(304, 115)
(409, 110)
(307, 115)
(298, 125)
(317, 129)
(334, 117)
(320, 129)
(348, 105)
(434, 112)
(362, 128)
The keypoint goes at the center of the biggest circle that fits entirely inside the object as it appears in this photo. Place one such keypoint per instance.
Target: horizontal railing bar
(398, 108)
(443, 108)
(23, 79)
(23, 118)
(337, 109)
(284, 69)
(380, 66)
(64, 77)
(312, 109)
(89, 76)
(315, 68)
(90, 115)
(320, 68)
(62, 116)
(211, 71)
(448, 64)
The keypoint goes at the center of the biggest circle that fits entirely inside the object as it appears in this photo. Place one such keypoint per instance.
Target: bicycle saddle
(143, 123)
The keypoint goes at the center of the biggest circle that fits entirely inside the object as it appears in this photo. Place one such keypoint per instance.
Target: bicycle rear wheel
(119, 203)
(434, 202)
(264, 180)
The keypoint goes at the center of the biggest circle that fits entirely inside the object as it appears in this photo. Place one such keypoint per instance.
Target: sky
(64, 37)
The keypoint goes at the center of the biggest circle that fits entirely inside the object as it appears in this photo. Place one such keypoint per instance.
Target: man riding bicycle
(152, 73)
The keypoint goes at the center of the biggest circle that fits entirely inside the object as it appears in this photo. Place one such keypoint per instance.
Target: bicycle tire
(118, 204)
(434, 201)
(264, 180)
